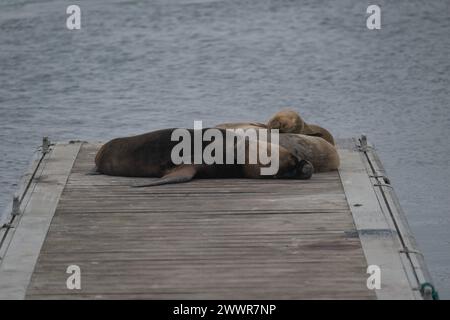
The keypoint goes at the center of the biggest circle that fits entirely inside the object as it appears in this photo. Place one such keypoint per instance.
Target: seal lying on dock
(286, 121)
(150, 155)
(322, 154)
(242, 125)
(319, 152)
(289, 121)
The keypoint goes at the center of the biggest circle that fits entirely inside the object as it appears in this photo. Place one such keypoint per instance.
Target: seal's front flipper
(178, 175)
(93, 172)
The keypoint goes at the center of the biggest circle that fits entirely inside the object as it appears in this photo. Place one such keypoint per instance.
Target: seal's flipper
(93, 172)
(178, 175)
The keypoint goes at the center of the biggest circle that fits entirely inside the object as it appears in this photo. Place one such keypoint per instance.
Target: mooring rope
(434, 293)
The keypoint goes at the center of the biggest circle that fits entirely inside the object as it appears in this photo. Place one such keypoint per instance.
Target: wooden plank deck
(208, 239)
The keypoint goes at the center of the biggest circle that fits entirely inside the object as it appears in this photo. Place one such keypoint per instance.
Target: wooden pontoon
(207, 239)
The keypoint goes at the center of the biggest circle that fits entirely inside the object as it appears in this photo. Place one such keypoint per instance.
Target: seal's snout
(305, 169)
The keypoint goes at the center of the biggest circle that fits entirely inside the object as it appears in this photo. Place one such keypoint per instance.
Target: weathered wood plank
(215, 239)
(204, 239)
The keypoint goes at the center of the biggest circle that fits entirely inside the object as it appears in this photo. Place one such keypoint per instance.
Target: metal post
(363, 141)
(45, 144)
(16, 206)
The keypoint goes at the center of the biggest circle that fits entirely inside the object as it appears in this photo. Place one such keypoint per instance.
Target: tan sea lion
(322, 154)
(241, 125)
(289, 121)
(150, 155)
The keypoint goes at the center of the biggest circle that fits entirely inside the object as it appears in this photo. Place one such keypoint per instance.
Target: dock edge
(385, 235)
(25, 224)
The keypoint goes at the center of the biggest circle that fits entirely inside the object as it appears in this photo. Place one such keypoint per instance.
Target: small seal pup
(289, 121)
(150, 155)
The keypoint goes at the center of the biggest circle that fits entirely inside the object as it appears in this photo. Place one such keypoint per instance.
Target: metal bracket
(406, 250)
(381, 176)
(383, 185)
(7, 225)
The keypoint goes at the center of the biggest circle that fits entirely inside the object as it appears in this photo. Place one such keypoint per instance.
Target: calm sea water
(137, 66)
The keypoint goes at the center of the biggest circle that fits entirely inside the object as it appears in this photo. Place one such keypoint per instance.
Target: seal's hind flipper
(178, 175)
(165, 180)
(93, 172)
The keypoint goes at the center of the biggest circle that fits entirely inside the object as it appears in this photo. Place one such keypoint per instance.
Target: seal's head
(287, 121)
(293, 168)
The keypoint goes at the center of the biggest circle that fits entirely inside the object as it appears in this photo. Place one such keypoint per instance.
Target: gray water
(137, 66)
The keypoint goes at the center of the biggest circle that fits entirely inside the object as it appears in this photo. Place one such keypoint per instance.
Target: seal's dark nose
(305, 169)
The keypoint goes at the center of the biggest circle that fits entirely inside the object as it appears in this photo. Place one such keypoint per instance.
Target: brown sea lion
(289, 121)
(322, 154)
(150, 155)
